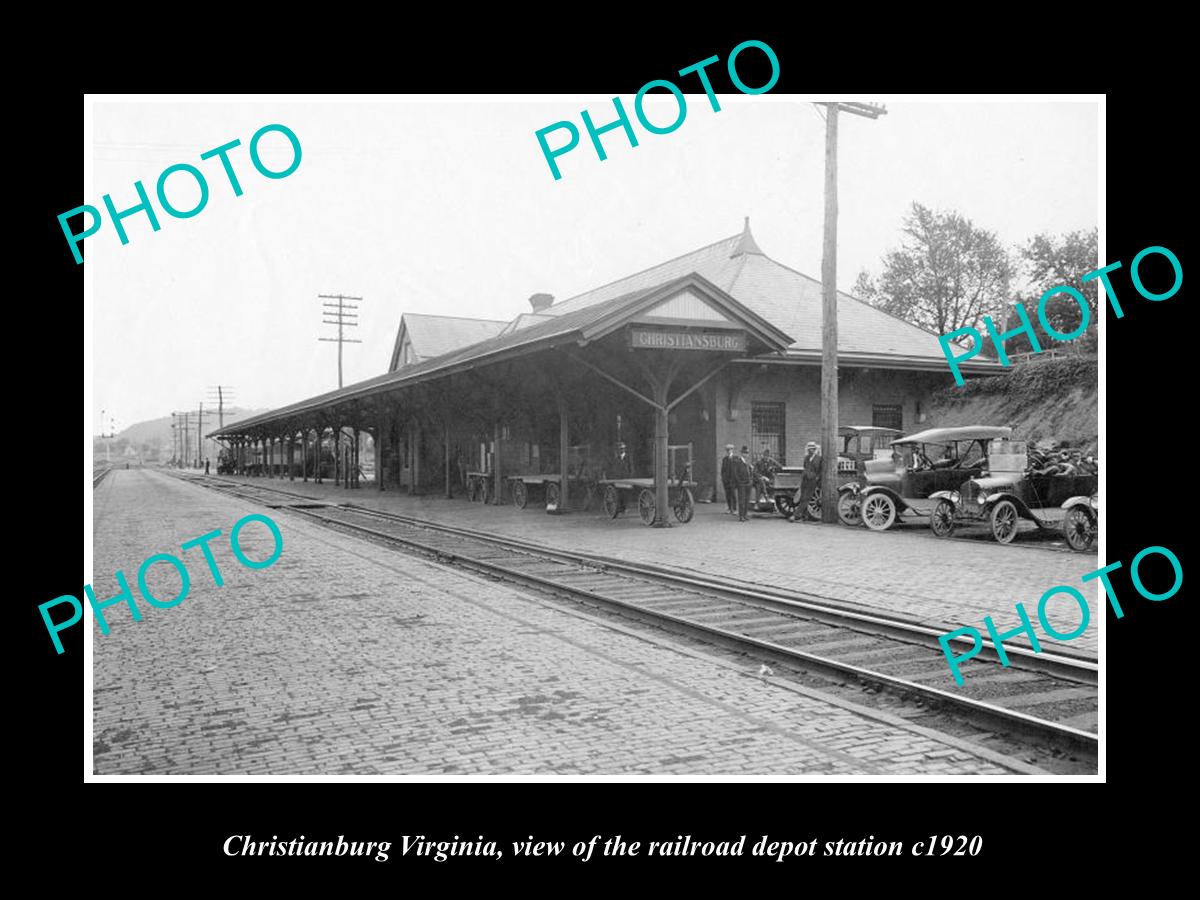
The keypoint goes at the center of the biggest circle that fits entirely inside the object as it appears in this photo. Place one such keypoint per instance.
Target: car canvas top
(958, 433)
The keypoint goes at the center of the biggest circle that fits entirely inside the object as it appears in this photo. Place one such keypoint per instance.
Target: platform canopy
(672, 334)
(658, 344)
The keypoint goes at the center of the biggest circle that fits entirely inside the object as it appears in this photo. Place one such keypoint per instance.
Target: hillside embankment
(1042, 399)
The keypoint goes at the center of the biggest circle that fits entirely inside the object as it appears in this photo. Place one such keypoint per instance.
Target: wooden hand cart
(545, 489)
(618, 491)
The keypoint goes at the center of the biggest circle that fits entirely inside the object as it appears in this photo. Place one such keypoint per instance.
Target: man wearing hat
(809, 482)
(620, 466)
(727, 479)
(743, 477)
(765, 468)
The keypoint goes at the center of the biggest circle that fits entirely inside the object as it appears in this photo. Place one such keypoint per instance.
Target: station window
(767, 428)
(888, 417)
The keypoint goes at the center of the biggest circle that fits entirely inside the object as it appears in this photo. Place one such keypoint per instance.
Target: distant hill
(152, 440)
(1042, 399)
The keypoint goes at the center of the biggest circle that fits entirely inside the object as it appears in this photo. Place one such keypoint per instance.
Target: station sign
(722, 341)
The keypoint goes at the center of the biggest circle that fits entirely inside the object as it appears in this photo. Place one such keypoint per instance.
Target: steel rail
(808, 607)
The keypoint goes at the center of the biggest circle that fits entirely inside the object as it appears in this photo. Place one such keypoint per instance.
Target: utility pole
(183, 436)
(342, 318)
(224, 392)
(112, 432)
(220, 393)
(829, 331)
(200, 435)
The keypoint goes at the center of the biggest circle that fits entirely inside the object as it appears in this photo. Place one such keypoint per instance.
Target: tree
(1053, 262)
(947, 274)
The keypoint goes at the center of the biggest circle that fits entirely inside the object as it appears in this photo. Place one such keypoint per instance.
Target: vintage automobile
(1010, 489)
(860, 444)
(920, 465)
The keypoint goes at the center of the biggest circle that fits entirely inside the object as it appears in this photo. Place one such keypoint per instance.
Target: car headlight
(955, 497)
(1094, 502)
(981, 499)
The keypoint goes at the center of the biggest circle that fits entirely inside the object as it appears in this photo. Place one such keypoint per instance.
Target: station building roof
(780, 301)
(792, 301)
(423, 337)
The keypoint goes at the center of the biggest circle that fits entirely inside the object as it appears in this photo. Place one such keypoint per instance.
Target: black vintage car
(921, 464)
(1012, 488)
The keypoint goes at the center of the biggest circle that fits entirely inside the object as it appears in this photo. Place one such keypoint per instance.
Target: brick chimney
(541, 301)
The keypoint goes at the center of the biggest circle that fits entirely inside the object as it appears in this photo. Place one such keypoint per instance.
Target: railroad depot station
(719, 346)
(405, 633)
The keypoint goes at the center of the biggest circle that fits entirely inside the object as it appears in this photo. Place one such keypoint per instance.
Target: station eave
(580, 327)
(812, 357)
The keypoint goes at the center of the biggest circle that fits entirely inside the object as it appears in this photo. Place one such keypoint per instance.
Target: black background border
(1147, 451)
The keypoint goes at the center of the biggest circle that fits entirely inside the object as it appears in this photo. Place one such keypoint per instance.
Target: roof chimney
(541, 301)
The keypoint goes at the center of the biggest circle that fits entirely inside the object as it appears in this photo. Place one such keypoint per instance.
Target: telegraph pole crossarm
(343, 315)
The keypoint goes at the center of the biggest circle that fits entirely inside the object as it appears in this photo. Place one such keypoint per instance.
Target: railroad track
(1052, 697)
(98, 473)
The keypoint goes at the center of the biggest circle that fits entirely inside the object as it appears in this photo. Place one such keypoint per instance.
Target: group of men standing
(738, 475)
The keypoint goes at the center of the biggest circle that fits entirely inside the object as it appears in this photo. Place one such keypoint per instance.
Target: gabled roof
(577, 328)
(438, 335)
(715, 262)
(524, 320)
(792, 301)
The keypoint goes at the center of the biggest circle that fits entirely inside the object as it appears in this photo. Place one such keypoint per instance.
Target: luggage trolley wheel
(520, 494)
(646, 506)
(552, 495)
(612, 501)
(685, 506)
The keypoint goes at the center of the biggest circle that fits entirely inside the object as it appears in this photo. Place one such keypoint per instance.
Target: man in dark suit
(809, 482)
(743, 477)
(727, 479)
(620, 467)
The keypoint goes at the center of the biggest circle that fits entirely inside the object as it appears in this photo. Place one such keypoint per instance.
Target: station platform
(345, 657)
(906, 572)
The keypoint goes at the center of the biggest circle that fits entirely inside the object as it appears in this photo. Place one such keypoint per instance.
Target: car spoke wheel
(1004, 521)
(941, 520)
(784, 505)
(849, 509)
(552, 495)
(814, 504)
(646, 506)
(612, 502)
(684, 507)
(520, 494)
(879, 512)
(1079, 528)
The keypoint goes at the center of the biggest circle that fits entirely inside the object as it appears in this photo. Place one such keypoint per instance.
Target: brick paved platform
(905, 572)
(348, 658)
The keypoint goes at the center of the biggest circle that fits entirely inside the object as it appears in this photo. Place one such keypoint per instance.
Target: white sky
(448, 207)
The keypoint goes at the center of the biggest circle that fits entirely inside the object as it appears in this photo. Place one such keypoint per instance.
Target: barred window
(888, 417)
(767, 429)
